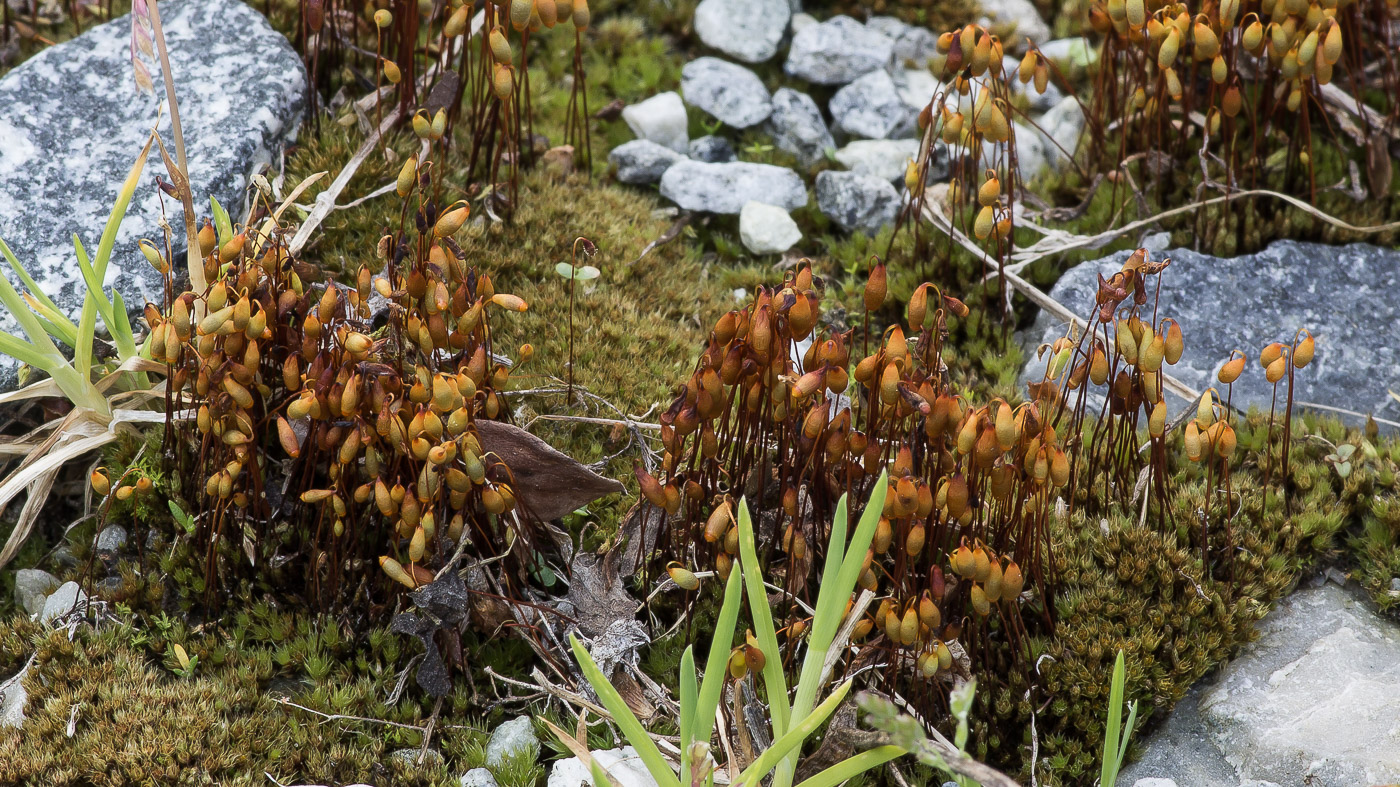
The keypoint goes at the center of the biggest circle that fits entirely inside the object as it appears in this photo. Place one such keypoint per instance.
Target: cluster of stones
(880, 74)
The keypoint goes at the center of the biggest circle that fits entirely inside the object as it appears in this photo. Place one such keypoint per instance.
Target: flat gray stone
(797, 127)
(747, 30)
(72, 123)
(13, 698)
(642, 161)
(515, 738)
(62, 601)
(1033, 152)
(872, 107)
(32, 587)
(1314, 702)
(729, 92)
(1342, 294)
(857, 202)
(1059, 131)
(888, 159)
(478, 777)
(916, 86)
(891, 26)
(767, 229)
(726, 187)
(112, 539)
(1021, 14)
(661, 119)
(914, 47)
(837, 51)
(712, 149)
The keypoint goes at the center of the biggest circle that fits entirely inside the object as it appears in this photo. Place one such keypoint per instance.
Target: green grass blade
(716, 666)
(50, 310)
(114, 220)
(22, 351)
(854, 766)
(38, 337)
(773, 677)
(222, 224)
(626, 721)
(82, 352)
(1108, 768)
(791, 741)
(688, 703)
(92, 280)
(1127, 734)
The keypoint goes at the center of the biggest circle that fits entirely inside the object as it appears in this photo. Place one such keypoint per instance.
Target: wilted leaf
(548, 484)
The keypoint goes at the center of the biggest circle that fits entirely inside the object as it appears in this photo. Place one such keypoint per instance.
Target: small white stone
(622, 764)
(800, 21)
(747, 30)
(478, 777)
(515, 738)
(1154, 781)
(886, 159)
(740, 294)
(767, 229)
(661, 119)
(32, 587)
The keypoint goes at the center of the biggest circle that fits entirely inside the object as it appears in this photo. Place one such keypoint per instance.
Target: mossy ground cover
(637, 330)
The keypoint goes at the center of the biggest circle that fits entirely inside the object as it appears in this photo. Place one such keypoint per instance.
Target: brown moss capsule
(1276, 370)
(456, 24)
(683, 577)
(1303, 354)
(980, 603)
(876, 287)
(396, 572)
(101, 484)
(503, 81)
(581, 15)
(914, 543)
(964, 564)
(392, 73)
(738, 665)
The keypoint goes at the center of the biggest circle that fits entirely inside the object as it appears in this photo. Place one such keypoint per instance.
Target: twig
(328, 717)
(1344, 411)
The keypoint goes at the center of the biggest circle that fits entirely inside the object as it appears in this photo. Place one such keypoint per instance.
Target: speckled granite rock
(726, 187)
(729, 92)
(857, 202)
(797, 126)
(1314, 702)
(72, 123)
(837, 51)
(747, 30)
(1345, 295)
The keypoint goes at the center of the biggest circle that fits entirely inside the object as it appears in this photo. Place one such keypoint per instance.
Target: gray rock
(72, 124)
(914, 47)
(712, 149)
(857, 202)
(1060, 130)
(661, 119)
(409, 757)
(767, 229)
(800, 21)
(32, 586)
(731, 93)
(642, 161)
(515, 738)
(916, 87)
(13, 698)
(1018, 14)
(1071, 51)
(478, 777)
(888, 159)
(61, 602)
(747, 30)
(837, 51)
(1314, 701)
(1395, 584)
(796, 126)
(871, 107)
(1033, 152)
(1154, 782)
(111, 540)
(622, 764)
(1339, 293)
(725, 187)
(891, 26)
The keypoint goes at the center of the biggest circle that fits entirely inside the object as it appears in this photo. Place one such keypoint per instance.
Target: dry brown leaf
(548, 483)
